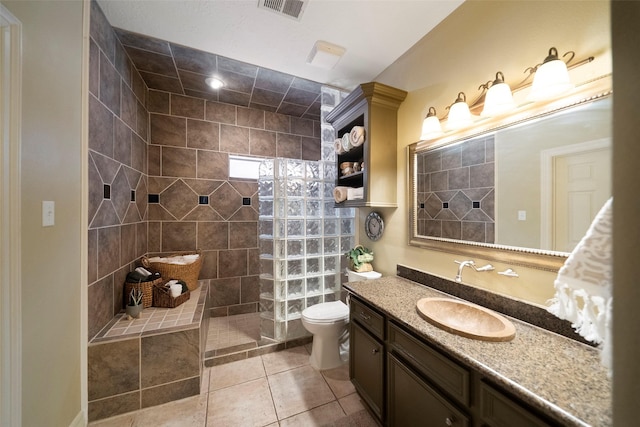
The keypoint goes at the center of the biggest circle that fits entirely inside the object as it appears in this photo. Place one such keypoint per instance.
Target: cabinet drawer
(367, 317)
(499, 410)
(412, 402)
(451, 377)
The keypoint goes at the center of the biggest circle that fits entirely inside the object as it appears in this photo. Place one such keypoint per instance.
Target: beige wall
(467, 49)
(52, 161)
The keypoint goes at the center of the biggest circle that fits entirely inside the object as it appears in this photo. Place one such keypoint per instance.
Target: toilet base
(325, 353)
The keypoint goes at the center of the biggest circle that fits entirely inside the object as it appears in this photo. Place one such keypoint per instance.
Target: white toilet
(328, 324)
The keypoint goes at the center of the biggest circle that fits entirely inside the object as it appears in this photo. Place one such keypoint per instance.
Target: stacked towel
(583, 286)
(346, 142)
(356, 136)
(340, 194)
(179, 259)
(355, 193)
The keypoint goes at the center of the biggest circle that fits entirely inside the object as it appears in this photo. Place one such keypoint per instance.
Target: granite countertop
(560, 377)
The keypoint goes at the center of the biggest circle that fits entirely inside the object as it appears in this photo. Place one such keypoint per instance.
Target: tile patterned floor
(234, 330)
(274, 390)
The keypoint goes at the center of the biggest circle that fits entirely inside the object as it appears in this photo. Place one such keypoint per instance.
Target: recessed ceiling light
(214, 82)
(325, 55)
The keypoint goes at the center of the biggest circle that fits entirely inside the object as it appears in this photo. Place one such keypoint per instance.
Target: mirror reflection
(536, 185)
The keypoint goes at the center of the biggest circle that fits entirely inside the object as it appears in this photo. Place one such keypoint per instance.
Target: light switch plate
(48, 213)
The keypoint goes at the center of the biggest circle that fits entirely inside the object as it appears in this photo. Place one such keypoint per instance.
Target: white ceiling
(374, 32)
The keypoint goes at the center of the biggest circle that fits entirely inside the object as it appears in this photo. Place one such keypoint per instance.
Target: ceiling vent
(290, 8)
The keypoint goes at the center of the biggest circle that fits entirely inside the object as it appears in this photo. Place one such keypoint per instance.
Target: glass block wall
(302, 242)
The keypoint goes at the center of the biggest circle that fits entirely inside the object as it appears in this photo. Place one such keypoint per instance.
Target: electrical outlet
(48, 213)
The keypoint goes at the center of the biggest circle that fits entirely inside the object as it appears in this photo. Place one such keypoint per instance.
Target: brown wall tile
(168, 130)
(169, 357)
(187, 106)
(225, 292)
(92, 258)
(245, 235)
(122, 142)
(178, 236)
(213, 165)
(221, 113)
(113, 406)
(109, 85)
(243, 309)
(213, 235)
(159, 102)
(234, 139)
(100, 305)
(262, 143)
(202, 134)
(232, 263)
(128, 244)
(250, 289)
(154, 160)
(94, 69)
(209, 268)
(169, 392)
(289, 146)
(251, 117)
(154, 236)
(138, 153)
(311, 148)
(277, 122)
(113, 368)
(100, 127)
(129, 113)
(302, 127)
(178, 162)
(108, 250)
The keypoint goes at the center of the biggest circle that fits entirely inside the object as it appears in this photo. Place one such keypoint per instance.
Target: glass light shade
(498, 100)
(459, 114)
(214, 82)
(431, 127)
(551, 78)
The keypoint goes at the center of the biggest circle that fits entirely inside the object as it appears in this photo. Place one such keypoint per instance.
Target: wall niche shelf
(373, 106)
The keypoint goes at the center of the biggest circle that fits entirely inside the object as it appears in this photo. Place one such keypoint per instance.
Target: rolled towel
(346, 142)
(337, 145)
(355, 193)
(356, 136)
(340, 194)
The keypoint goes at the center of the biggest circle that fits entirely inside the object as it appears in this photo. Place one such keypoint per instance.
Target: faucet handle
(509, 273)
(468, 262)
(487, 267)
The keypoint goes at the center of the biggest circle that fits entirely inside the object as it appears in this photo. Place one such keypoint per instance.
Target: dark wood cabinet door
(367, 367)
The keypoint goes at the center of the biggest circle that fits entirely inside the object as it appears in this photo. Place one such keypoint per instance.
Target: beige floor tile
(320, 416)
(234, 373)
(189, 412)
(351, 403)
(361, 418)
(248, 404)
(125, 420)
(338, 380)
(285, 359)
(298, 390)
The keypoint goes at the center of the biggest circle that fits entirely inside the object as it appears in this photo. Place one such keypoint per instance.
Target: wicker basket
(188, 273)
(145, 287)
(364, 267)
(162, 297)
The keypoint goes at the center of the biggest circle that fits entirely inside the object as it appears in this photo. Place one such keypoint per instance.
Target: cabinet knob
(375, 351)
(449, 421)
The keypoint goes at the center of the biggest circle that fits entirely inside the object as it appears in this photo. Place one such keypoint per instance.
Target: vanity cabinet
(366, 357)
(373, 106)
(406, 381)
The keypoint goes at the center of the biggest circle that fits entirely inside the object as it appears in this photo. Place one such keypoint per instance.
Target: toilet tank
(357, 277)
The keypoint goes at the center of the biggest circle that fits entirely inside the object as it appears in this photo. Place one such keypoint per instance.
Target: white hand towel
(340, 194)
(355, 193)
(583, 286)
(346, 142)
(337, 145)
(356, 136)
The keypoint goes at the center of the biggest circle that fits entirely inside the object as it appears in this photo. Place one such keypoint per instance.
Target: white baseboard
(79, 421)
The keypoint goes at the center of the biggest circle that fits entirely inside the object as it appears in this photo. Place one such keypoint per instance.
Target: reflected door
(582, 184)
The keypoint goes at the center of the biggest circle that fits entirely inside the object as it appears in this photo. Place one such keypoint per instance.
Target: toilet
(328, 323)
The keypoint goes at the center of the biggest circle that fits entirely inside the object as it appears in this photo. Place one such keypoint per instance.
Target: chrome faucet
(472, 264)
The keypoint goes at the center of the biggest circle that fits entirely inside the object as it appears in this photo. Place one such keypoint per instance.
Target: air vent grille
(290, 8)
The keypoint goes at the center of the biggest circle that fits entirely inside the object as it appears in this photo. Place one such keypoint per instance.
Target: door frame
(546, 182)
(10, 224)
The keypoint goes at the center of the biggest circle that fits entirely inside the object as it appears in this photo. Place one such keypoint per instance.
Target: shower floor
(238, 337)
(233, 331)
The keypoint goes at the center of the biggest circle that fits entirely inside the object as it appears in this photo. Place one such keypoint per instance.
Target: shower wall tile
(129, 107)
(243, 309)
(203, 134)
(92, 258)
(209, 268)
(289, 146)
(178, 162)
(187, 106)
(114, 368)
(221, 113)
(168, 130)
(159, 102)
(138, 153)
(245, 234)
(109, 85)
(310, 148)
(214, 235)
(116, 405)
(212, 165)
(234, 139)
(178, 236)
(304, 127)
(108, 250)
(121, 142)
(250, 289)
(169, 392)
(154, 160)
(184, 361)
(225, 292)
(250, 117)
(262, 143)
(94, 69)
(119, 278)
(232, 263)
(100, 304)
(277, 122)
(100, 127)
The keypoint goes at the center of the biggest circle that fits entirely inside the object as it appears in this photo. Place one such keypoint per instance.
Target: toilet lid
(326, 312)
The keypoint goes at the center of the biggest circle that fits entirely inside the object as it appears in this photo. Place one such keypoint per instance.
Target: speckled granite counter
(558, 376)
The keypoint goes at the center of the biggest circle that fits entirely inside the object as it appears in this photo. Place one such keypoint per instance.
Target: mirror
(523, 192)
